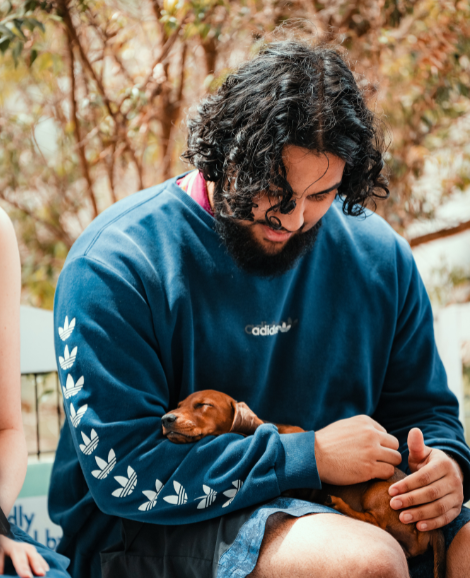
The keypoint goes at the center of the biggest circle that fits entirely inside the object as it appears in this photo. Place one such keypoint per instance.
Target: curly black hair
(289, 94)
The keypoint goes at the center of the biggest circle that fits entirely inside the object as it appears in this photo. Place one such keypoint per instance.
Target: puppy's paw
(334, 502)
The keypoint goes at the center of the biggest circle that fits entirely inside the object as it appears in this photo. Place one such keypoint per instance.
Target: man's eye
(320, 197)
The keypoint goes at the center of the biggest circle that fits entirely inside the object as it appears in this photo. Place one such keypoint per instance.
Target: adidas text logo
(208, 499)
(181, 496)
(104, 467)
(266, 329)
(72, 388)
(76, 416)
(128, 484)
(152, 496)
(232, 493)
(66, 331)
(68, 360)
(90, 443)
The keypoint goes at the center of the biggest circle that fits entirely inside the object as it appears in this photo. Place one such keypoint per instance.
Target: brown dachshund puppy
(211, 412)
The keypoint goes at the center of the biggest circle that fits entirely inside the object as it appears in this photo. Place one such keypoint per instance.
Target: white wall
(37, 340)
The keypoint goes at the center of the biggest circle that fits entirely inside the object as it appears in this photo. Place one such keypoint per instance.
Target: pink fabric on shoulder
(194, 184)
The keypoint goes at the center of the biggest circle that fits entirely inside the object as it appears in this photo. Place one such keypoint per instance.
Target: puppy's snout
(168, 419)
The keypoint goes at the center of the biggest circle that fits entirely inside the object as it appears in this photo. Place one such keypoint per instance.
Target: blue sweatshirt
(150, 308)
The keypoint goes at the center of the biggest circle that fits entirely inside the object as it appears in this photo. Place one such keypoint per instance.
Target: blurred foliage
(450, 285)
(466, 386)
(94, 93)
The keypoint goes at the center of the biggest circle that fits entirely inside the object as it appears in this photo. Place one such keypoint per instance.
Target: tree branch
(86, 63)
(442, 234)
(167, 46)
(76, 128)
(56, 231)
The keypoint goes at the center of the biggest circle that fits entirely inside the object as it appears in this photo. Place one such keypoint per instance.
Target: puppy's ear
(245, 421)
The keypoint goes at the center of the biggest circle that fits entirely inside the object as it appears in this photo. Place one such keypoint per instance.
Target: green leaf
(18, 24)
(32, 23)
(6, 31)
(17, 50)
(4, 44)
(30, 5)
(33, 56)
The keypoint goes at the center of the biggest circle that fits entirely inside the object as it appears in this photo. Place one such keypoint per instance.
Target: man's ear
(245, 421)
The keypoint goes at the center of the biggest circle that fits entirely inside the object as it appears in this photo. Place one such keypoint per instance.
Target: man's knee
(329, 546)
(383, 559)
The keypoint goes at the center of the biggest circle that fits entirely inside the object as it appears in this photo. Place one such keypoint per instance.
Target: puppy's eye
(198, 405)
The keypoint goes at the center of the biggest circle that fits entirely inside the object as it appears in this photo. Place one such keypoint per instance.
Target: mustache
(281, 229)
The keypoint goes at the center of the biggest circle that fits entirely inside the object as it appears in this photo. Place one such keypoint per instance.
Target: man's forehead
(309, 172)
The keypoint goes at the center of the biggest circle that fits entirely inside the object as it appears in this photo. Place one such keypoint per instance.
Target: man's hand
(355, 450)
(435, 487)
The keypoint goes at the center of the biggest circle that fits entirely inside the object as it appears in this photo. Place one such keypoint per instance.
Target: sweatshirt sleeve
(115, 393)
(415, 392)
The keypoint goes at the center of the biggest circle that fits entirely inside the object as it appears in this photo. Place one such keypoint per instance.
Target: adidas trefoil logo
(181, 496)
(76, 416)
(66, 331)
(232, 493)
(104, 467)
(90, 443)
(208, 499)
(128, 484)
(152, 496)
(72, 388)
(68, 360)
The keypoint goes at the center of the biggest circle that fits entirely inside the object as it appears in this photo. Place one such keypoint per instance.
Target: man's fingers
(389, 457)
(424, 477)
(389, 441)
(418, 450)
(440, 521)
(429, 511)
(431, 516)
(425, 495)
(383, 471)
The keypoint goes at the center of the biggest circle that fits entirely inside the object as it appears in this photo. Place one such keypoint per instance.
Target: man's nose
(294, 220)
(168, 419)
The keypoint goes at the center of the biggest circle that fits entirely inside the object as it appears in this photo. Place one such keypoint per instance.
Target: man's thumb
(418, 451)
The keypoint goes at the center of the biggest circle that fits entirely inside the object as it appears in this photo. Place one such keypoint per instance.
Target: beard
(249, 254)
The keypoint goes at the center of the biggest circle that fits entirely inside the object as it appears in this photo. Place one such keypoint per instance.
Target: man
(255, 276)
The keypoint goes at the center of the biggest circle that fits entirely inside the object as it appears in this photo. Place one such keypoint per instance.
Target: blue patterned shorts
(240, 558)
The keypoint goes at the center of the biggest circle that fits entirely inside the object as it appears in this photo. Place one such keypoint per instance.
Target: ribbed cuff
(296, 466)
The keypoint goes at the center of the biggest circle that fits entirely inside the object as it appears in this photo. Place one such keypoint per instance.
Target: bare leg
(328, 546)
(458, 555)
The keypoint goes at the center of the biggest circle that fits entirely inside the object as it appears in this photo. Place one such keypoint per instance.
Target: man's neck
(210, 193)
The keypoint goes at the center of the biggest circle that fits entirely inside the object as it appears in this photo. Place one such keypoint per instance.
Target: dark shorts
(226, 547)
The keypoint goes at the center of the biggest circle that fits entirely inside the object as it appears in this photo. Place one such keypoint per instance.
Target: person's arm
(415, 395)
(122, 366)
(13, 455)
